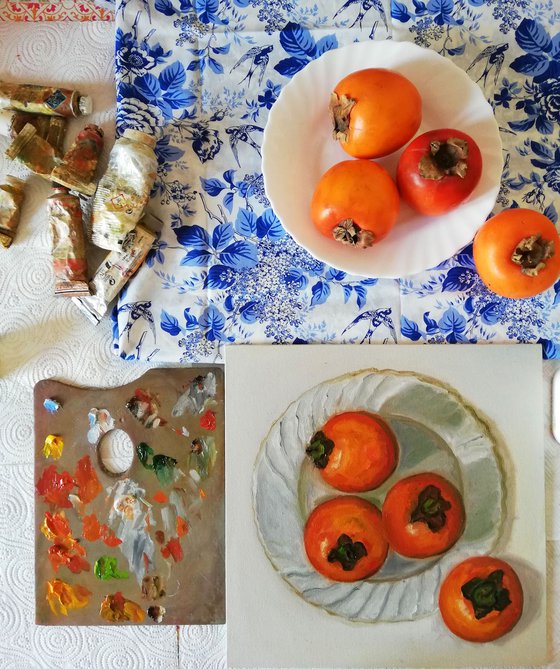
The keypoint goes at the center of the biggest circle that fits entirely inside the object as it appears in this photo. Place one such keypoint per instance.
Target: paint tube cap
(14, 182)
(139, 136)
(85, 105)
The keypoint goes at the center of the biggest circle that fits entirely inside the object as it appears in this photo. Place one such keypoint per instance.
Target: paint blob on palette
(129, 501)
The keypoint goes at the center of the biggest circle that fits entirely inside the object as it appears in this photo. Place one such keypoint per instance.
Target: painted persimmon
(354, 451)
(481, 599)
(438, 170)
(517, 253)
(344, 540)
(374, 112)
(423, 515)
(355, 202)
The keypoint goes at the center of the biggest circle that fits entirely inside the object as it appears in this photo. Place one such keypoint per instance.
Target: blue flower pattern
(203, 74)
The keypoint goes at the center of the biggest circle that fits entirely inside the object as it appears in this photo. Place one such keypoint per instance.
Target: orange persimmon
(481, 599)
(344, 540)
(517, 253)
(355, 203)
(423, 515)
(354, 451)
(374, 112)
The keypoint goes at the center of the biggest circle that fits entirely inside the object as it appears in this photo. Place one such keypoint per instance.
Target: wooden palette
(137, 537)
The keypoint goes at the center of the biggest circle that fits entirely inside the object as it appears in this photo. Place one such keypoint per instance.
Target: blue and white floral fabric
(203, 75)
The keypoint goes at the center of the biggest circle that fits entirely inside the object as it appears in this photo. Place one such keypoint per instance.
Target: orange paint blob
(63, 597)
(54, 487)
(115, 608)
(182, 527)
(160, 497)
(86, 480)
(173, 549)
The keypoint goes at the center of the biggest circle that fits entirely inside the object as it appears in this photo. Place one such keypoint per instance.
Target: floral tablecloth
(203, 75)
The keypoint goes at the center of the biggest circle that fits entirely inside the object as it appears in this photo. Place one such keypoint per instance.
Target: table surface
(43, 337)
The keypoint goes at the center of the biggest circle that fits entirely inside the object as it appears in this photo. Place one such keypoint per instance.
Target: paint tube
(80, 161)
(11, 199)
(124, 189)
(44, 100)
(68, 243)
(33, 151)
(114, 272)
(51, 128)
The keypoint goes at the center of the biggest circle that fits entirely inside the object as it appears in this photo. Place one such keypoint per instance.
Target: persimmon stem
(487, 594)
(347, 552)
(447, 158)
(532, 253)
(340, 108)
(320, 449)
(431, 508)
(349, 232)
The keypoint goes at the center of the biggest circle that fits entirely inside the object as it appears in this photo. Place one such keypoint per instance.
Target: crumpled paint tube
(114, 272)
(80, 161)
(68, 243)
(51, 128)
(11, 199)
(124, 190)
(33, 151)
(44, 100)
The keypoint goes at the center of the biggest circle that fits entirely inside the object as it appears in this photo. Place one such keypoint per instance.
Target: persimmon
(438, 170)
(517, 253)
(375, 111)
(354, 451)
(356, 203)
(481, 599)
(344, 540)
(423, 515)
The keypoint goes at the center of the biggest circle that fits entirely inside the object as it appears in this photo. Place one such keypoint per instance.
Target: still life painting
(384, 497)
(129, 495)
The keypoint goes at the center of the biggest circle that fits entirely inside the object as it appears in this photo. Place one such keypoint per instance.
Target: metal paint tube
(44, 100)
(51, 128)
(33, 151)
(124, 189)
(11, 199)
(80, 161)
(68, 244)
(114, 272)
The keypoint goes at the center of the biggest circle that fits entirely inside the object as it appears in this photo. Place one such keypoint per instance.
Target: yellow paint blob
(63, 597)
(53, 447)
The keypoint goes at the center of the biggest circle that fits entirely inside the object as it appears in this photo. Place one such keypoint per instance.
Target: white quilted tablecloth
(41, 337)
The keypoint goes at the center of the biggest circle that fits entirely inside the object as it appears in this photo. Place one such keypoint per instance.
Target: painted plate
(298, 148)
(437, 431)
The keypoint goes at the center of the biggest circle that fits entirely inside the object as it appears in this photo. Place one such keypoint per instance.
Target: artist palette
(129, 508)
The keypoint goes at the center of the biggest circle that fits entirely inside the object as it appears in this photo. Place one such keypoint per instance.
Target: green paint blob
(106, 567)
(162, 465)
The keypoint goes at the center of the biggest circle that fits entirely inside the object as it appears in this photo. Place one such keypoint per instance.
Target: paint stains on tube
(63, 597)
(194, 400)
(100, 422)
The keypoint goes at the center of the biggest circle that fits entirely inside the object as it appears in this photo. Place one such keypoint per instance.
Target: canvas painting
(389, 506)
(129, 504)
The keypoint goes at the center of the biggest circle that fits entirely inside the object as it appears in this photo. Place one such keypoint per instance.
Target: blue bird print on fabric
(259, 60)
(493, 57)
(376, 318)
(241, 133)
(137, 311)
(363, 8)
